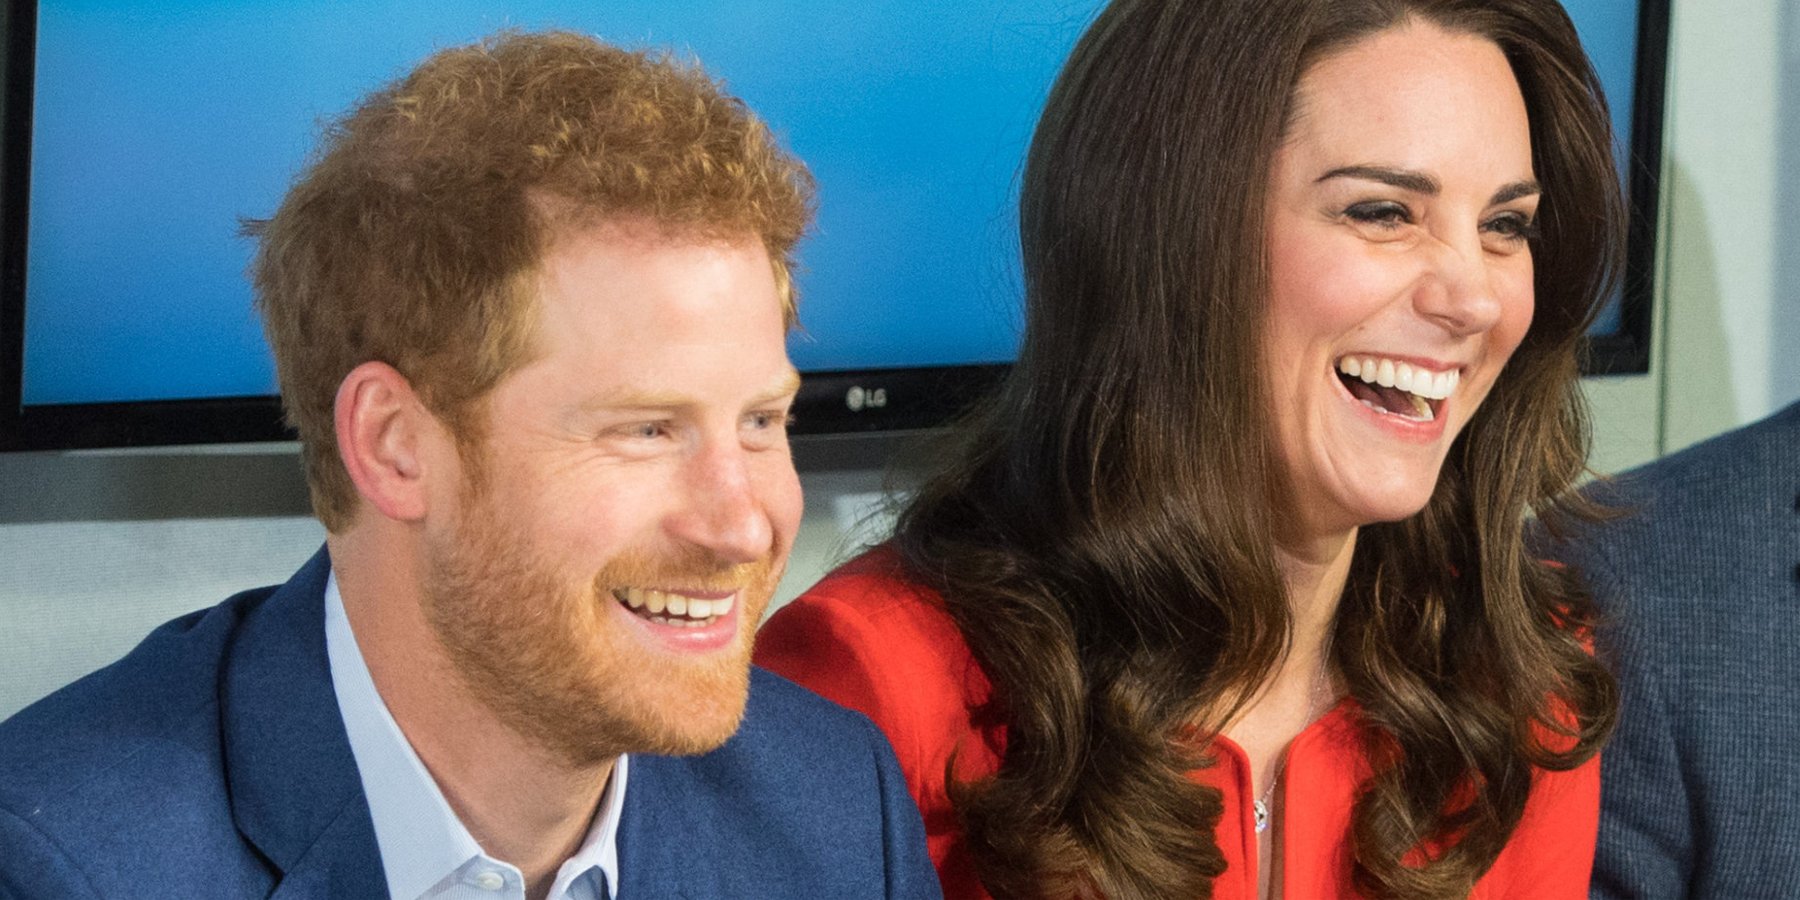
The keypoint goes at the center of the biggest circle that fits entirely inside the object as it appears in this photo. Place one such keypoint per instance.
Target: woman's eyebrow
(1421, 183)
(1514, 191)
(1404, 179)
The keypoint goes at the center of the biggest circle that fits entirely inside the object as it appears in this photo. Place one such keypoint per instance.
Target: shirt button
(490, 881)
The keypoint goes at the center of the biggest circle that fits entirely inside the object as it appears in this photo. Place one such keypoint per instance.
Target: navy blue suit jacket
(1700, 583)
(212, 762)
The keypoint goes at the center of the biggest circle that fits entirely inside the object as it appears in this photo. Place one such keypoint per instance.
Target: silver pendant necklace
(1259, 808)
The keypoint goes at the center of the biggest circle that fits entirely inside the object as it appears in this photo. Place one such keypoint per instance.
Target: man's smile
(681, 608)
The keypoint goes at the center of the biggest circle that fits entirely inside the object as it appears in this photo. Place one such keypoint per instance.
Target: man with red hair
(529, 310)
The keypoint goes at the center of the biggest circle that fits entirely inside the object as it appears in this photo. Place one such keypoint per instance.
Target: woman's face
(1399, 208)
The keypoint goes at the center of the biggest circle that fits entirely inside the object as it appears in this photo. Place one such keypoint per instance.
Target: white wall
(1732, 319)
(97, 549)
(74, 596)
(1727, 318)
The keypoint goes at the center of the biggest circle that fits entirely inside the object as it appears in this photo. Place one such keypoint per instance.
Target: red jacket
(870, 640)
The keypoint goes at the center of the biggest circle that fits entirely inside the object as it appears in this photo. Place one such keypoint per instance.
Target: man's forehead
(615, 271)
(628, 394)
(562, 218)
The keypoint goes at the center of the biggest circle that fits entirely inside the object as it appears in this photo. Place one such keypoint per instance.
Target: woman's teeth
(1397, 388)
(1413, 380)
(666, 608)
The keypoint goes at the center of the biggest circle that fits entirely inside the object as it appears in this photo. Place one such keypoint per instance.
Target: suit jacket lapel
(653, 844)
(296, 793)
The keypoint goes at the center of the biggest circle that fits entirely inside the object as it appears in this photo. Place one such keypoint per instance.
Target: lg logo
(859, 399)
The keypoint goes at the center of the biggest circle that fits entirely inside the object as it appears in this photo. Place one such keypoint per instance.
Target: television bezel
(830, 402)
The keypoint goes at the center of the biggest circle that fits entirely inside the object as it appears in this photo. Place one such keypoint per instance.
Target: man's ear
(385, 435)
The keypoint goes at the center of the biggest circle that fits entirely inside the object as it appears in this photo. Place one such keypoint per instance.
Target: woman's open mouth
(1396, 388)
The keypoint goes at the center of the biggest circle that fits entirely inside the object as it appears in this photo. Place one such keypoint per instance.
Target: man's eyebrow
(629, 399)
(787, 386)
(1404, 179)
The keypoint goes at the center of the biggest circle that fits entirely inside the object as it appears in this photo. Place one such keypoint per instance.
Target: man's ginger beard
(546, 652)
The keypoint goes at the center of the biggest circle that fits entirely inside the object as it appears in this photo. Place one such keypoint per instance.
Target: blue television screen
(156, 125)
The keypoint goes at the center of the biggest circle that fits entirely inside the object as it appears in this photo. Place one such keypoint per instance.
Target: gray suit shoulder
(1761, 460)
(1699, 578)
(1725, 509)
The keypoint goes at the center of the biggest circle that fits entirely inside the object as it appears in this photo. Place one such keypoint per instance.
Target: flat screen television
(137, 133)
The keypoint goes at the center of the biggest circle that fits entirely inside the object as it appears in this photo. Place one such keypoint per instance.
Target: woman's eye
(1513, 226)
(1386, 214)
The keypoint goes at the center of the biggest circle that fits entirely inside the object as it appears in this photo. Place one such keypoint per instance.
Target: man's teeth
(673, 609)
(1388, 373)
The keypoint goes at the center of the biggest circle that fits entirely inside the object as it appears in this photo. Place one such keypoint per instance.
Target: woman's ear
(382, 435)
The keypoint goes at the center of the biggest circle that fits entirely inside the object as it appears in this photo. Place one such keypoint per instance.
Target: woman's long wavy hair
(1104, 535)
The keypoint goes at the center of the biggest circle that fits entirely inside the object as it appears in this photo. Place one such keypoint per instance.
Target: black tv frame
(1627, 350)
(834, 402)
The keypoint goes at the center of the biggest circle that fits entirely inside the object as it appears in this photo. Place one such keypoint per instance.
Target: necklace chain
(1260, 807)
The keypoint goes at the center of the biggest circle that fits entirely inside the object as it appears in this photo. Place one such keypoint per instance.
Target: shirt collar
(423, 844)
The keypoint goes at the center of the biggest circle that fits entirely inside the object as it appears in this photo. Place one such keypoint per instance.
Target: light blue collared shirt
(426, 851)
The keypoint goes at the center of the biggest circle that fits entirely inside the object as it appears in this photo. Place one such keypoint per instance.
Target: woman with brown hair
(1224, 594)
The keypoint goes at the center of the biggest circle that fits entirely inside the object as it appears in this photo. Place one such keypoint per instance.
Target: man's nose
(720, 509)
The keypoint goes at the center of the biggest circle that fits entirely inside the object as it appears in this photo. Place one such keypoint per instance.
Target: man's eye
(763, 421)
(646, 431)
(1386, 214)
(766, 429)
